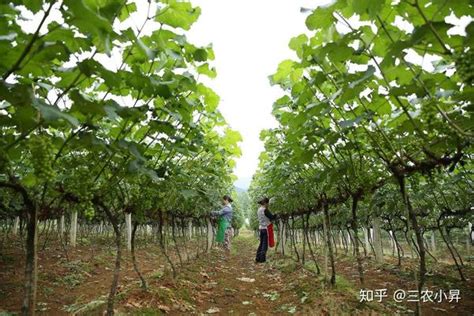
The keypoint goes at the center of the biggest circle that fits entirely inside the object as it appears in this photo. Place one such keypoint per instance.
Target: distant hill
(239, 190)
(243, 182)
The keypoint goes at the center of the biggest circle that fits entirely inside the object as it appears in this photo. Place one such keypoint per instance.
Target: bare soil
(219, 283)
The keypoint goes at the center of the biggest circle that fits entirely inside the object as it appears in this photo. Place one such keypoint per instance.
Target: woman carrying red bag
(266, 230)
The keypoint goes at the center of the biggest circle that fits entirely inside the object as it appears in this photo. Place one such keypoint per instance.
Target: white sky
(250, 38)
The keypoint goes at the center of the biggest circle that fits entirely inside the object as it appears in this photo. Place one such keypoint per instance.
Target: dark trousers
(262, 247)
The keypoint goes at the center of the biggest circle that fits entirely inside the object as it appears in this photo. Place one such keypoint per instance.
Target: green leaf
(368, 8)
(364, 76)
(25, 117)
(297, 43)
(127, 10)
(321, 18)
(469, 39)
(337, 52)
(85, 105)
(33, 5)
(211, 99)
(16, 94)
(285, 68)
(149, 53)
(348, 94)
(200, 55)
(52, 113)
(382, 107)
(205, 70)
(163, 127)
(30, 180)
(178, 14)
(317, 108)
(406, 90)
(89, 22)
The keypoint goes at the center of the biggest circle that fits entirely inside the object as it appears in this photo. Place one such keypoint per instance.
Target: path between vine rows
(215, 283)
(221, 284)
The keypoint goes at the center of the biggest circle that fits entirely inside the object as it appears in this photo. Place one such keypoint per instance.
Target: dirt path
(232, 284)
(222, 284)
(236, 283)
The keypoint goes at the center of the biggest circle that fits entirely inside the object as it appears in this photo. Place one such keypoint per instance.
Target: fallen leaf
(273, 295)
(213, 310)
(133, 304)
(164, 308)
(249, 280)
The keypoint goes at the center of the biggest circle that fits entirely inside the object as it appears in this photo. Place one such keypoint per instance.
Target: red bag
(271, 238)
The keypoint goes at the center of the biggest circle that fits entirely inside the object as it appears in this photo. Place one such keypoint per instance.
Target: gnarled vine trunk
(327, 225)
(419, 237)
(360, 268)
(134, 259)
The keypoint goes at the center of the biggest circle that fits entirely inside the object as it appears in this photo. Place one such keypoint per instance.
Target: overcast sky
(250, 38)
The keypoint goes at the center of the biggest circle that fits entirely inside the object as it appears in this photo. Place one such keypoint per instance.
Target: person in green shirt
(225, 230)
